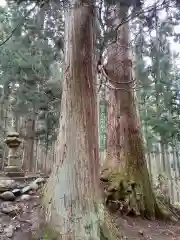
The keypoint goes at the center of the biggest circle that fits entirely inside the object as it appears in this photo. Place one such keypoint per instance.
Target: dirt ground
(24, 218)
(137, 228)
(24, 224)
(27, 225)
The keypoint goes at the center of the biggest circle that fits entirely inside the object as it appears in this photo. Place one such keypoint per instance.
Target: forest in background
(32, 60)
(31, 74)
(31, 64)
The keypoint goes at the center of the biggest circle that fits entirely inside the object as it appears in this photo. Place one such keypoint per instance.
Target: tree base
(124, 195)
(106, 229)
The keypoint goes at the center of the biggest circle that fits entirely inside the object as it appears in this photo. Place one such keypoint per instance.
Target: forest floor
(20, 209)
(25, 225)
(138, 228)
(21, 219)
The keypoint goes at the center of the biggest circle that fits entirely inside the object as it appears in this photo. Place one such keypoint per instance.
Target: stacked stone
(14, 168)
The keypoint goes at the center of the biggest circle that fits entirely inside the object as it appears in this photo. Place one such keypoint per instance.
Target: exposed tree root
(165, 210)
(126, 196)
(108, 228)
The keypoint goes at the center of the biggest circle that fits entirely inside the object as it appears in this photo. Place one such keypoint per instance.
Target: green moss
(131, 191)
(49, 234)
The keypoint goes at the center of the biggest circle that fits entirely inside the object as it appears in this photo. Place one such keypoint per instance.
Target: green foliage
(159, 82)
(26, 64)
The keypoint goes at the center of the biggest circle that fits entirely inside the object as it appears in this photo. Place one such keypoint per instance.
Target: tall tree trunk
(72, 200)
(28, 161)
(125, 168)
(5, 124)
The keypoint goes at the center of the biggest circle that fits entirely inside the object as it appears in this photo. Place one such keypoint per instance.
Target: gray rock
(34, 186)
(39, 180)
(17, 226)
(21, 185)
(16, 192)
(9, 231)
(31, 187)
(7, 196)
(7, 184)
(25, 197)
(25, 189)
(1, 228)
(10, 209)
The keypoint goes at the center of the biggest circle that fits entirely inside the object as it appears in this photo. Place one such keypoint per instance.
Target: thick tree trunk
(125, 168)
(72, 196)
(28, 160)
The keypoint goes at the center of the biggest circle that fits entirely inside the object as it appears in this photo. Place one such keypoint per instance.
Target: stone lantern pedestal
(14, 168)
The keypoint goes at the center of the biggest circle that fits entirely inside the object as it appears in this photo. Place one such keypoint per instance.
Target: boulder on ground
(8, 208)
(7, 196)
(7, 184)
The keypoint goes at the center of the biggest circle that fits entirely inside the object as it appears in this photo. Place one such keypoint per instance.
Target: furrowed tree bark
(28, 161)
(72, 197)
(125, 168)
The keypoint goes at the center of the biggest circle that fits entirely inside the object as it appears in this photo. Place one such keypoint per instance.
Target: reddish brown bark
(125, 150)
(29, 137)
(72, 196)
(125, 167)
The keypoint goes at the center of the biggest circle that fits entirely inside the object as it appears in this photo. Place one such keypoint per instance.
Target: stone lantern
(14, 168)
